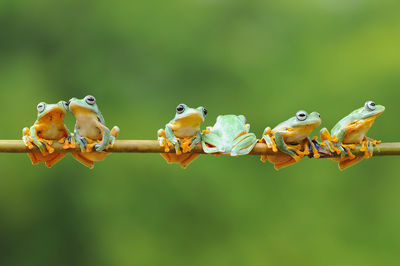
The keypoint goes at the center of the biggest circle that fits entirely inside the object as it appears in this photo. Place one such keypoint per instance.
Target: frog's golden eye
(90, 100)
(301, 115)
(205, 111)
(180, 109)
(370, 105)
(41, 107)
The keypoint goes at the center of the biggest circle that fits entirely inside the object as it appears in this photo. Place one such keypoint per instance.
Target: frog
(352, 130)
(230, 136)
(48, 128)
(182, 133)
(91, 133)
(292, 138)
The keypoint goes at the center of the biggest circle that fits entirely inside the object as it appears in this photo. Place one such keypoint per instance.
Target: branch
(152, 146)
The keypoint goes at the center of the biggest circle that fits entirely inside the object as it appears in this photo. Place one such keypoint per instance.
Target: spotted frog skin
(352, 130)
(230, 135)
(90, 132)
(292, 138)
(182, 133)
(49, 127)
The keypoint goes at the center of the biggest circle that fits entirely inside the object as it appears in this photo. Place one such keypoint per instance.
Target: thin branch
(152, 146)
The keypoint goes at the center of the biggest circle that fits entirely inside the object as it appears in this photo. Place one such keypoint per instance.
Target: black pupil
(302, 115)
(372, 104)
(179, 108)
(90, 99)
(204, 111)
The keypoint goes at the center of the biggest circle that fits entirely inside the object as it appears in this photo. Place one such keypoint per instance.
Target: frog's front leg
(26, 137)
(67, 141)
(313, 148)
(114, 135)
(244, 144)
(269, 139)
(43, 144)
(330, 142)
(280, 143)
(82, 141)
(169, 133)
(105, 138)
(367, 146)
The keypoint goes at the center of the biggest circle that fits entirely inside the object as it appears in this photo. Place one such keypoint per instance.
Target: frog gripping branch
(90, 132)
(284, 145)
(291, 137)
(352, 130)
(182, 133)
(49, 127)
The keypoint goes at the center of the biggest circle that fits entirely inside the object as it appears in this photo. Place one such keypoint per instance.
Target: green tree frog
(291, 137)
(352, 130)
(49, 127)
(229, 135)
(90, 131)
(182, 133)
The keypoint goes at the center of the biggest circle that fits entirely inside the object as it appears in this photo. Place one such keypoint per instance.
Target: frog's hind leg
(83, 160)
(210, 143)
(243, 144)
(280, 161)
(347, 162)
(34, 158)
(183, 159)
(54, 158)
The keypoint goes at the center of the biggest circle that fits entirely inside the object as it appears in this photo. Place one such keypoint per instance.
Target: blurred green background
(265, 60)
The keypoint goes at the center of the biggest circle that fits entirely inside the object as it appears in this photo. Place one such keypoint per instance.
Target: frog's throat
(56, 115)
(78, 109)
(193, 120)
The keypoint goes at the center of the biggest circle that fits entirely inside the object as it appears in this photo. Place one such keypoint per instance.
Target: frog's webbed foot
(269, 138)
(367, 146)
(68, 142)
(27, 138)
(207, 130)
(347, 148)
(164, 141)
(83, 143)
(113, 136)
(330, 141)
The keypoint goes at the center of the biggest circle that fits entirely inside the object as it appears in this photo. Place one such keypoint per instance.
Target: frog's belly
(186, 132)
(90, 131)
(355, 137)
(52, 132)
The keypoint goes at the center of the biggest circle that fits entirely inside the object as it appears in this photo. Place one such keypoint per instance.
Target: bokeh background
(263, 59)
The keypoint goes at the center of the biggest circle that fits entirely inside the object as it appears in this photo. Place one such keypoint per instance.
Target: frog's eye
(90, 100)
(41, 107)
(180, 109)
(205, 111)
(301, 115)
(370, 105)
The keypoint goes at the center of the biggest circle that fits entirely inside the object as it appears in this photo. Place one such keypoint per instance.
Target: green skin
(223, 136)
(297, 125)
(48, 108)
(94, 121)
(188, 130)
(361, 113)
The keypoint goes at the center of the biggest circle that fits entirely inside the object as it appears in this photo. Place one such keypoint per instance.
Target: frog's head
(85, 105)
(369, 111)
(303, 119)
(52, 112)
(190, 117)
